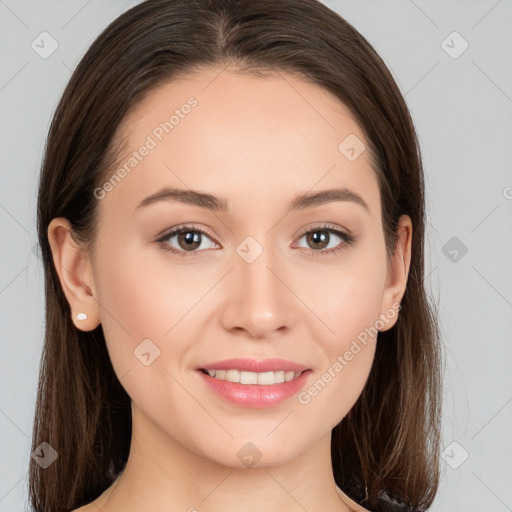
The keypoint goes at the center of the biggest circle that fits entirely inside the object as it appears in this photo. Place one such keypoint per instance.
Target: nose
(257, 298)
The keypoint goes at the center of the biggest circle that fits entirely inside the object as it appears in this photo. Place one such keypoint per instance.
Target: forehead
(231, 133)
(231, 100)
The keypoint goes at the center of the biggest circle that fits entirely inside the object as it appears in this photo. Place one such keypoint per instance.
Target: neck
(162, 474)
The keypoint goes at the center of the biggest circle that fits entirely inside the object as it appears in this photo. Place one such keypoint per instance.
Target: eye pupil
(319, 239)
(191, 238)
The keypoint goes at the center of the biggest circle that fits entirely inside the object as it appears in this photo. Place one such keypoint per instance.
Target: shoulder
(354, 506)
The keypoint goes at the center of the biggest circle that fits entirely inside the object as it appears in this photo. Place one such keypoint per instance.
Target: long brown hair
(388, 443)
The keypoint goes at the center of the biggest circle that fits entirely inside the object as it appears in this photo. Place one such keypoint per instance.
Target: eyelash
(347, 240)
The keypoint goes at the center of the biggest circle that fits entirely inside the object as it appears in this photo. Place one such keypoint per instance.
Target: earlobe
(398, 273)
(73, 267)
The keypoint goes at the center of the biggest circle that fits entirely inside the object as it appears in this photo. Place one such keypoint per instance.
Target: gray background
(461, 104)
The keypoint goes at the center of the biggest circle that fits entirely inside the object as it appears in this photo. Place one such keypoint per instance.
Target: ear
(75, 273)
(398, 272)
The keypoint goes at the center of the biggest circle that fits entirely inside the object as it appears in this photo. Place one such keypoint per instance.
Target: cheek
(347, 297)
(136, 302)
(334, 390)
(149, 309)
(339, 380)
(141, 293)
(349, 309)
(144, 321)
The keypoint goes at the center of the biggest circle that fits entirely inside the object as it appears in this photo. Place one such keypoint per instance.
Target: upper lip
(254, 365)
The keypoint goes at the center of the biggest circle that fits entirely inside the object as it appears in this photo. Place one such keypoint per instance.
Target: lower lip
(255, 395)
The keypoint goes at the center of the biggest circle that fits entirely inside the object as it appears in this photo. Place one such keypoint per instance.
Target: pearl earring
(81, 316)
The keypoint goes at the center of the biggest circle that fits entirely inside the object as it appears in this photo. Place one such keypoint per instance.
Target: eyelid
(326, 226)
(183, 227)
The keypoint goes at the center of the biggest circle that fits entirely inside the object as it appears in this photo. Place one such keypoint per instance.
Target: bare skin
(258, 143)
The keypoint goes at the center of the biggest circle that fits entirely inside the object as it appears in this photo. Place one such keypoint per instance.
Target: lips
(255, 394)
(256, 366)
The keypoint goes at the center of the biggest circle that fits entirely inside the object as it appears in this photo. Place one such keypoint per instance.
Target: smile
(245, 377)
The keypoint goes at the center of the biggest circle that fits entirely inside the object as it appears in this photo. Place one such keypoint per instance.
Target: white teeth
(289, 376)
(248, 378)
(278, 377)
(266, 378)
(233, 375)
(262, 378)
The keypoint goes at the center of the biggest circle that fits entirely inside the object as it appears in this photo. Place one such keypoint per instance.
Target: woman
(231, 215)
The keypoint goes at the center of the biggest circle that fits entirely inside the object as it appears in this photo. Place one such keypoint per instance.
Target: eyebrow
(219, 204)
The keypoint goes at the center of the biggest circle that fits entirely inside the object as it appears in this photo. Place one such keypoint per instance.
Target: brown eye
(319, 238)
(188, 240)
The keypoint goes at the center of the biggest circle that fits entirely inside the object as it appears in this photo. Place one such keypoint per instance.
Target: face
(262, 277)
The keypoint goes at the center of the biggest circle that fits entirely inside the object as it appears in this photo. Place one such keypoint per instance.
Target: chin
(242, 452)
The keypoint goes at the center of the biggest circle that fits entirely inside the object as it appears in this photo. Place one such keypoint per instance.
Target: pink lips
(255, 395)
